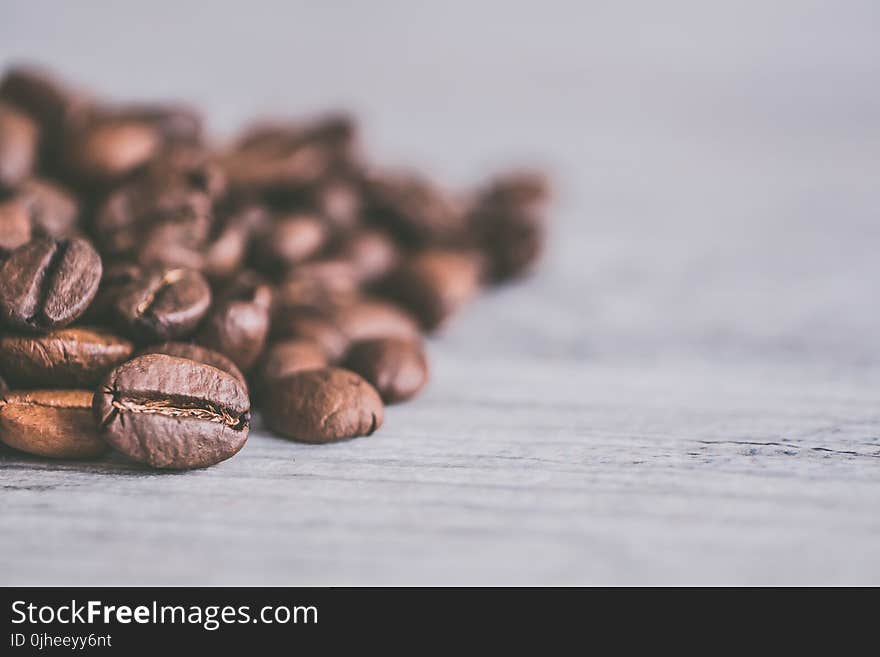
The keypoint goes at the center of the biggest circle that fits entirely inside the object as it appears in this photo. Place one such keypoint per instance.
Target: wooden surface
(689, 390)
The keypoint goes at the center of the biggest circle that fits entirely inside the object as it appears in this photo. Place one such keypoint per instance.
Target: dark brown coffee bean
(314, 328)
(115, 278)
(47, 283)
(15, 225)
(317, 286)
(290, 241)
(18, 146)
(434, 283)
(51, 423)
(172, 412)
(46, 99)
(238, 326)
(372, 253)
(369, 319)
(162, 304)
(189, 168)
(53, 209)
(519, 189)
(289, 357)
(323, 406)
(106, 151)
(398, 369)
(415, 209)
(66, 358)
(339, 202)
(227, 247)
(198, 354)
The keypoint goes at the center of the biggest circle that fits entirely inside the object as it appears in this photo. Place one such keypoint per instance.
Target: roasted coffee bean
(15, 225)
(53, 209)
(339, 202)
(46, 99)
(172, 412)
(115, 278)
(315, 328)
(238, 326)
(415, 209)
(434, 283)
(289, 357)
(176, 124)
(368, 319)
(65, 358)
(198, 354)
(227, 247)
(397, 368)
(106, 151)
(372, 252)
(18, 146)
(162, 304)
(47, 283)
(51, 423)
(290, 241)
(318, 286)
(521, 190)
(323, 406)
(187, 167)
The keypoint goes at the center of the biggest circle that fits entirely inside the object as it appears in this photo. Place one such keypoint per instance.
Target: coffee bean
(322, 406)
(368, 319)
(291, 240)
(50, 102)
(65, 358)
(415, 209)
(238, 326)
(47, 283)
(4, 387)
(172, 412)
(18, 146)
(397, 368)
(51, 423)
(15, 225)
(372, 252)
(162, 304)
(314, 328)
(198, 354)
(53, 209)
(175, 124)
(227, 247)
(105, 151)
(339, 202)
(434, 283)
(289, 357)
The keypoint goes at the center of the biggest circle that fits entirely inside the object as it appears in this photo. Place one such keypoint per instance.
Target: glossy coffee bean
(64, 358)
(199, 354)
(369, 318)
(435, 283)
(318, 285)
(18, 146)
(172, 412)
(47, 284)
(398, 369)
(289, 357)
(162, 304)
(238, 326)
(313, 328)
(323, 406)
(51, 423)
(106, 151)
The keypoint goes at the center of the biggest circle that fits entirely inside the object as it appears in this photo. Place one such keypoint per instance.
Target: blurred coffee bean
(51, 423)
(227, 246)
(192, 168)
(105, 151)
(114, 279)
(397, 368)
(339, 202)
(323, 406)
(238, 325)
(48, 283)
(317, 286)
(314, 328)
(290, 241)
(415, 209)
(15, 225)
(176, 124)
(66, 358)
(288, 357)
(51, 103)
(18, 146)
(434, 283)
(519, 189)
(172, 412)
(369, 318)
(371, 252)
(162, 304)
(52, 208)
(199, 354)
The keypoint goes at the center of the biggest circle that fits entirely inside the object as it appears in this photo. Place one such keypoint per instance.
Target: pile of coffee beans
(156, 288)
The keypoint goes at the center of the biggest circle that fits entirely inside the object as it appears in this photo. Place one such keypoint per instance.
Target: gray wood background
(687, 392)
